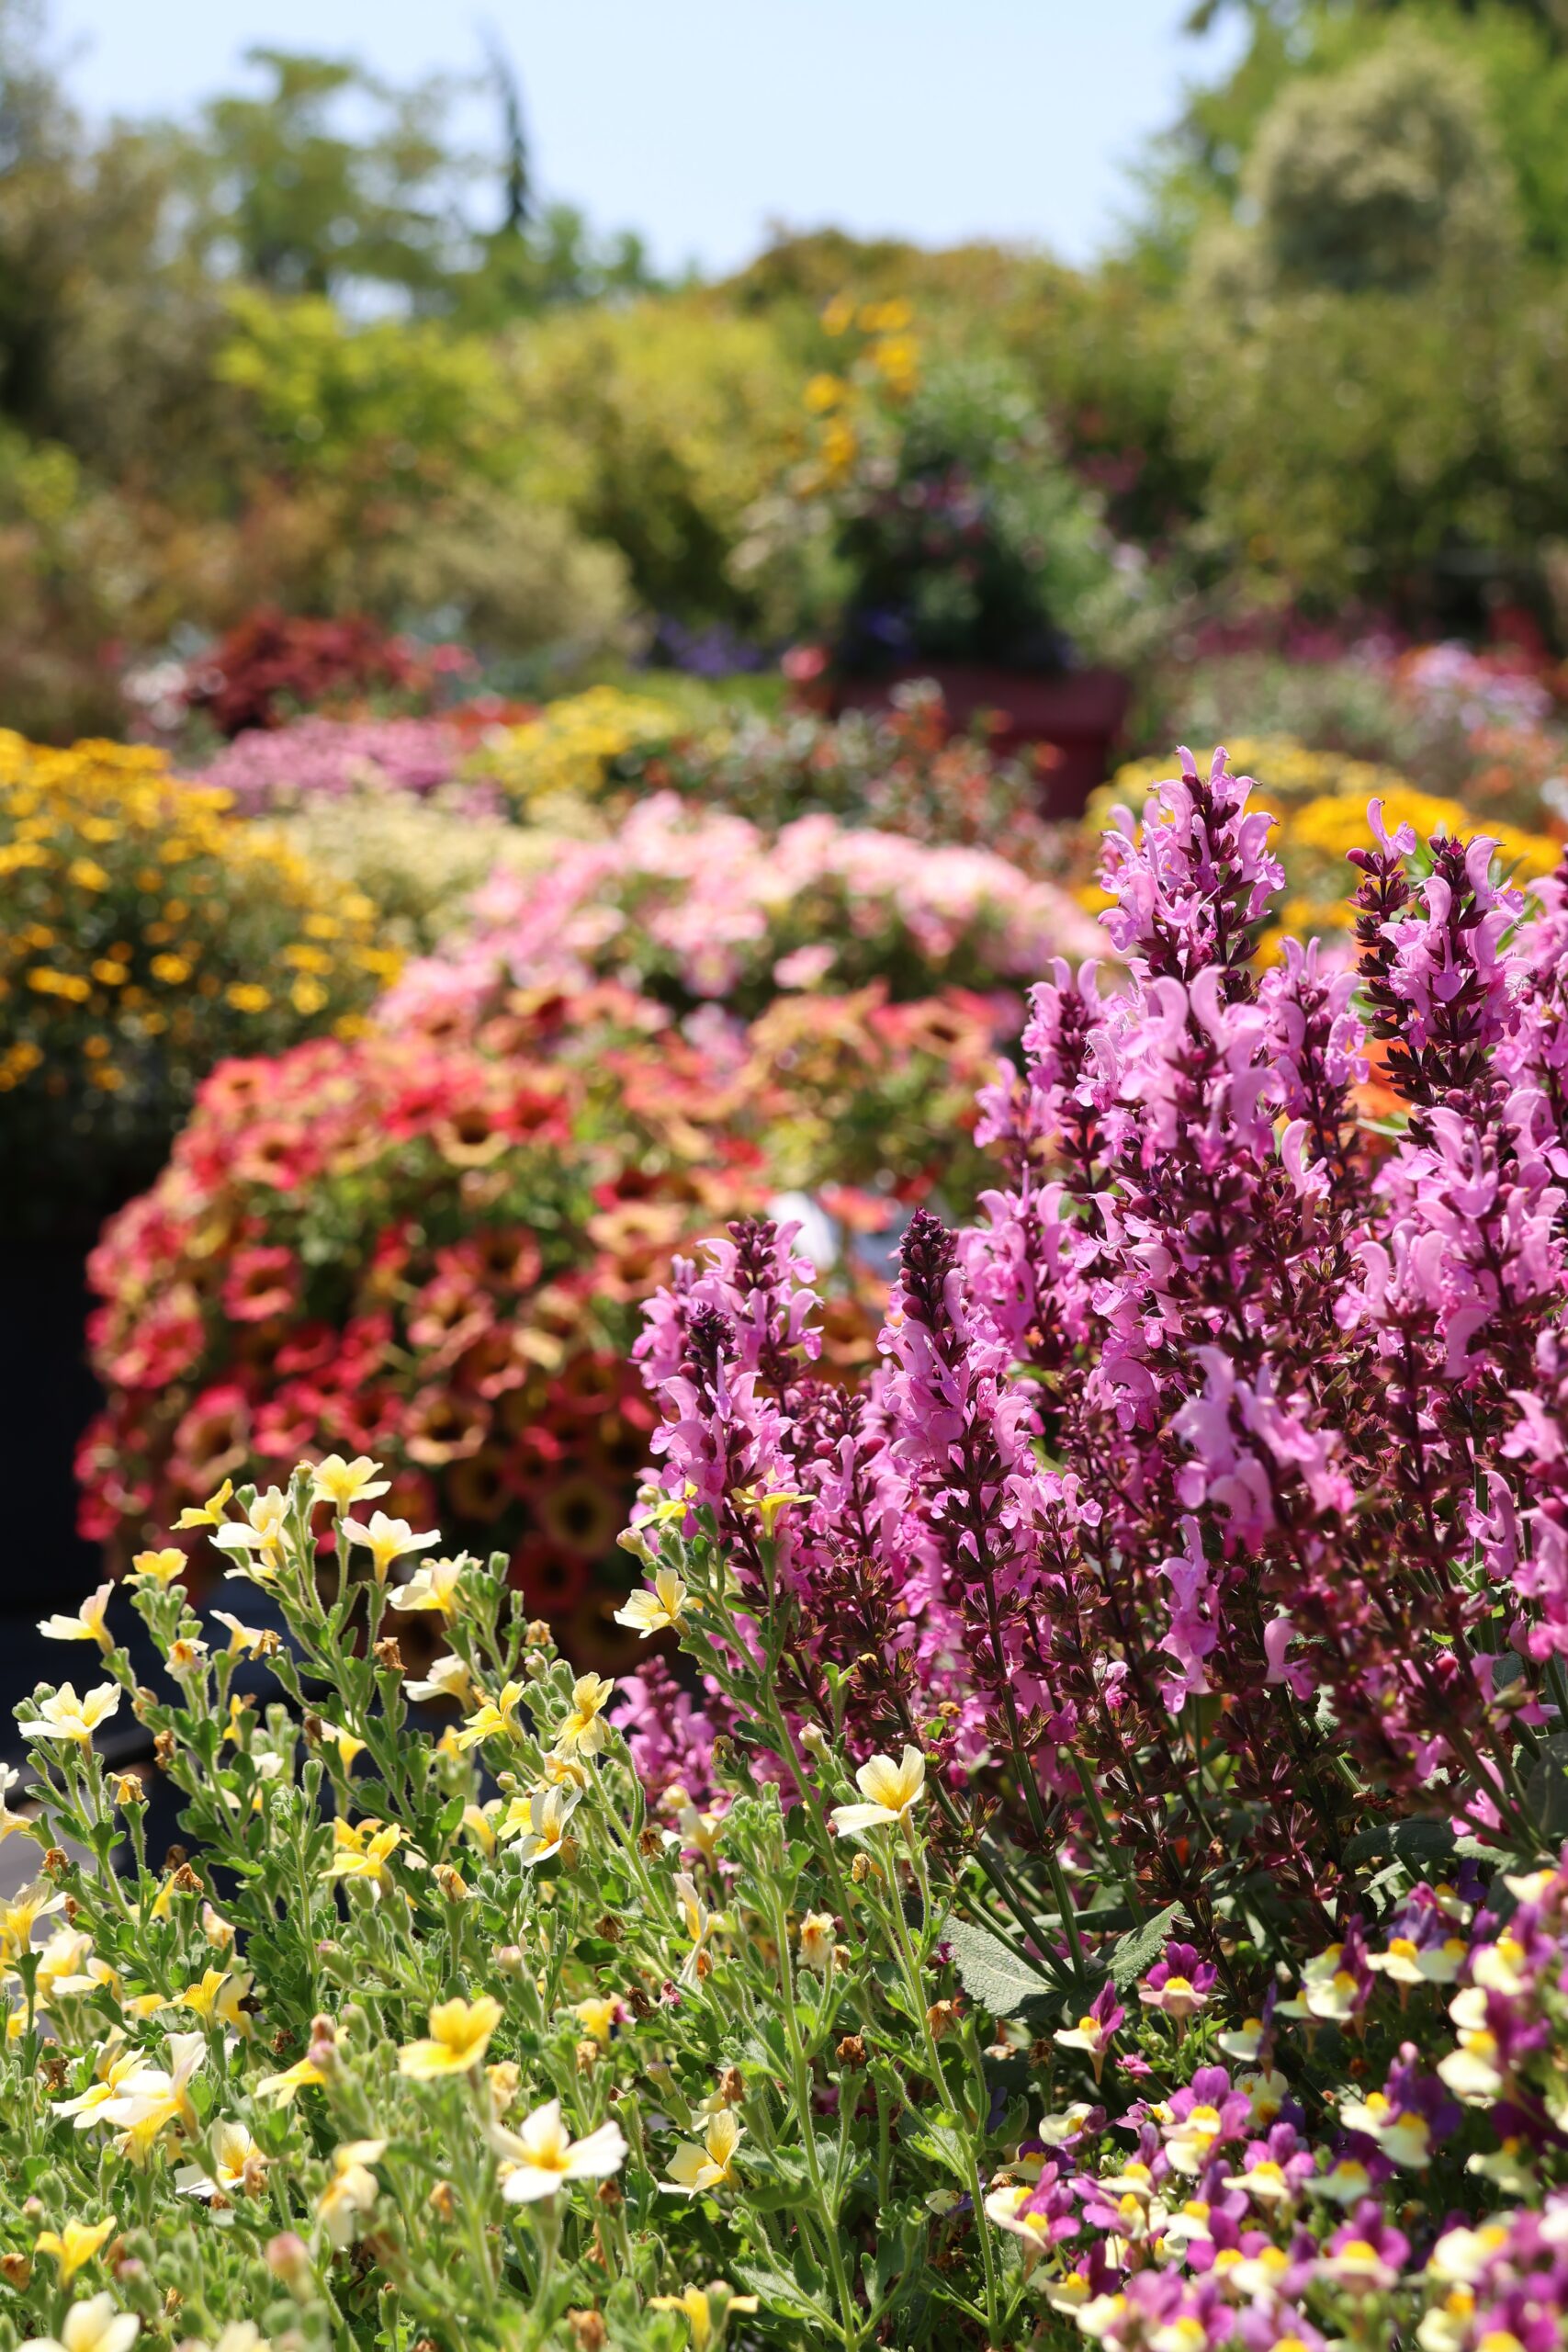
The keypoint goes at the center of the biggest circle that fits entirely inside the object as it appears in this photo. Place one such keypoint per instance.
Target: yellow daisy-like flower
(459, 2035)
(74, 2245)
(891, 1790)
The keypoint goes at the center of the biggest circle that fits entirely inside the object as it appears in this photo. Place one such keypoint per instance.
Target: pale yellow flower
(93, 2326)
(344, 1484)
(704, 2309)
(708, 2163)
(493, 1715)
(158, 1567)
(891, 1790)
(260, 1534)
(234, 2164)
(816, 1936)
(244, 1640)
(386, 1540)
(448, 1678)
(347, 1743)
(663, 1607)
(65, 1716)
(87, 1625)
(433, 1586)
(304, 2075)
(549, 1812)
(216, 1998)
(75, 2244)
(349, 2197)
(597, 2016)
(767, 1507)
(584, 1732)
(208, 1514)
(541, 2155)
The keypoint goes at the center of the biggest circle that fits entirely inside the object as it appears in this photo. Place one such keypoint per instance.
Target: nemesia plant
(1094, 1870)
(698, 907)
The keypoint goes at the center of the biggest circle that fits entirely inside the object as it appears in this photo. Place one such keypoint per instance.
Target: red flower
(262, 1284)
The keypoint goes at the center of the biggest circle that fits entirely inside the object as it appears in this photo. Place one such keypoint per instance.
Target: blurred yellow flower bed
(1319, 799)
(570, 751)
(149, 932)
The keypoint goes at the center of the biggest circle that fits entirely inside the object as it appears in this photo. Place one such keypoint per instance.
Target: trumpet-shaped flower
(255, 1542)
(96, 2325)
(891, 1792)
(158, 1567)
(708, 2163)
(549, 1812)
(704, 2309)
(303, 2075)
(87, 1625)
(66, 1716)
(448, 1678)
(541, 2156)
(363, 1848)
(211, 1513)
(660, 1610)
(349, 2197)
(460, 2031)
(386, 1540)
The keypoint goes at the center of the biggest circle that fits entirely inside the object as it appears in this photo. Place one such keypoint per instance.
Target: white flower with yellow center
(584, 1732)
(255, 1542)
(1404, 2137)
(448, 1678)
(541, 2156)
(93, 2326)
(66, 1716)
(232, 2151)
(87, 1625)
(1407, 1963)
(349, 2197)
(891, 1792)
(434, 1585)
(817, 1931)
(550, 1817)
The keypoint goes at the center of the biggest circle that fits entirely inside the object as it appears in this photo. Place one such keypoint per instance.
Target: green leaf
(778, 2291)
(1131, 1954)
(1546, 1791)
(990, 1972)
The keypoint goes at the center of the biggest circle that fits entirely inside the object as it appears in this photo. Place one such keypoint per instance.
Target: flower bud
(289, 2259)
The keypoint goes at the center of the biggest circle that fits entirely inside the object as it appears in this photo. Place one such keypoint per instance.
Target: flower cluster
(1319, 799)
(692, 906)
(268, 769)
(579, 747)
(148, 932)
(434, 1251)
(272, 666)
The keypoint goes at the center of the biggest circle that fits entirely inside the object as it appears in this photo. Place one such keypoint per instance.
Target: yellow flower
(158, 1567)
(244, 1639)
(364, 1849)
(459, 2036)
(651, 1612)
(839, 316)
(93, 2326)
(64, 1717)
(87, 1625)
(767, 1507)
(433, 1586)
(344, 1484)
(215, 1997)
(386, 1540)
(208, 1514)
(824, 391)
(584, 1731)
(347, 1743)
(304, 2075)
(708, 2163)
(549, 1811)
(117, 2069)
(891, 1792)
(75, 2244)
(696, 2306)
(259, 1532)
(597, 2018)
(493, 1715)
(246, 996)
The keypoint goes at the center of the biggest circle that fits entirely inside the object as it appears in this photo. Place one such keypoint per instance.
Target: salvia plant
(1085, 1862)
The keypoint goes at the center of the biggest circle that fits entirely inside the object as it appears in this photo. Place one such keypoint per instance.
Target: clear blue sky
(699, 121)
